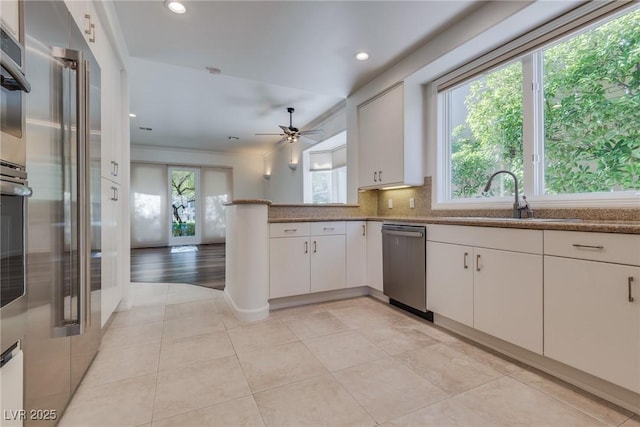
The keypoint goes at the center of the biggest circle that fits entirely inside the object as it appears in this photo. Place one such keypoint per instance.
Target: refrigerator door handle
(79, 317)
(85, 193)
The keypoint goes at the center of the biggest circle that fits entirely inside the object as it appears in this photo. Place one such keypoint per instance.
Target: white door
(356, 253)
(450, 281)
(328, 267)
(592, 318)
(508, 296)
(374, 254)
(184, 206)
(288, 266)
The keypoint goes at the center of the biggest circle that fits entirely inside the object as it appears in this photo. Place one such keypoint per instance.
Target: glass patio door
(184, 209)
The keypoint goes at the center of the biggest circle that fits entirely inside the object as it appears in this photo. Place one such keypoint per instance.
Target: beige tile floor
(180, 358)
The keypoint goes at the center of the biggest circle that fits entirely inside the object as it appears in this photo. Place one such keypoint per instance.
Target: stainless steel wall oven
(14, 83)
(14, 192)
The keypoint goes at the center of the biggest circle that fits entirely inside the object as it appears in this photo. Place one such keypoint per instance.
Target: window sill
(596, 201)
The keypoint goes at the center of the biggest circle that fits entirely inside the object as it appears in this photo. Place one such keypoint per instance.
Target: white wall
(284, 185)
(247, 168)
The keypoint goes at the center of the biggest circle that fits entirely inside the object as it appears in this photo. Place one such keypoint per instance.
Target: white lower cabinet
(111, 291)
(450, 281)
(496, 289)
(288, 266)
(507, 296)
(356, 253)
(374, 254)
(328, 263)
(313, 262)
(592, 317)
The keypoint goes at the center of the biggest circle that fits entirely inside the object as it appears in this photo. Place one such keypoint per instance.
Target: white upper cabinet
(386, 158)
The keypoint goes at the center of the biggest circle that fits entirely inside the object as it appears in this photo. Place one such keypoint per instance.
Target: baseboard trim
(613, 393)
(317, 297)
(246, 315)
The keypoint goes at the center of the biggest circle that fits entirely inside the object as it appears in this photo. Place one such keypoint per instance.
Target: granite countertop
(248, 202)
(629, 227)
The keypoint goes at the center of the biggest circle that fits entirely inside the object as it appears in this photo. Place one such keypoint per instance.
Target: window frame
(533, 128)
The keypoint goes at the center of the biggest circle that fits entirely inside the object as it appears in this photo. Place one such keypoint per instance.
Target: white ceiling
(273, 55)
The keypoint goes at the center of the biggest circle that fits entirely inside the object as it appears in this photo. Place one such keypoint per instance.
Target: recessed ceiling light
(175, 6)
(362, 56)
(132, 115)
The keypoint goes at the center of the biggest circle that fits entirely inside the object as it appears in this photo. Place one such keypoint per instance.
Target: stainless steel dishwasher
(404, 267)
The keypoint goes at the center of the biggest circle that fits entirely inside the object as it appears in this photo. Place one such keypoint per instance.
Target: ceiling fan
(291, 133)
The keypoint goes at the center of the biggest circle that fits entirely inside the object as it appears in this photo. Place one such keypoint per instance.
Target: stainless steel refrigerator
(62, 137)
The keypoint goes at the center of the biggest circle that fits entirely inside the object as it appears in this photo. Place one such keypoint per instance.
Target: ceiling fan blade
(311, 132)
(285, 129)
(273, 134)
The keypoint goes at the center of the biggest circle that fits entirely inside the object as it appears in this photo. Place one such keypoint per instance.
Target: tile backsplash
(422, 200)
(375, 203)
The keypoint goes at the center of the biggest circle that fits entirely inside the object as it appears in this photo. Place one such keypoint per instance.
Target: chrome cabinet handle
(477, 262)
(375, 177)
(290, 230)
(631, 298)
(380, 176)
(576, 245)
(306, 247)
(328, 228)
(364, 230)
(315, 247)
(466, 254)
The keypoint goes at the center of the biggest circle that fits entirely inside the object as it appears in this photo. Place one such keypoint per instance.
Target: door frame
(197, 238)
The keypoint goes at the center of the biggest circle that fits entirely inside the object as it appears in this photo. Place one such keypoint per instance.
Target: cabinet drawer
(606, 247)
(506, 239)
(328, 228)
(289, 229)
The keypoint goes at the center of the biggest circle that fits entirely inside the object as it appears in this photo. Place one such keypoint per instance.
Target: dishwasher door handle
(416, 234)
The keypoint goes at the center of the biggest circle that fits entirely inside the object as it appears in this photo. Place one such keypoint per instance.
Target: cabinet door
(356, 253)
(288, 266)
(381, 139)
(368, 114)
(450, 281)
(374, 254)
(589, 322)
(391, 137)
(328, 267)
(111, 292)
(508, 296)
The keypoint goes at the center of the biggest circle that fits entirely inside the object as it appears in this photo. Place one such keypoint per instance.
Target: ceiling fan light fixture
(362, 56)
(175, 6)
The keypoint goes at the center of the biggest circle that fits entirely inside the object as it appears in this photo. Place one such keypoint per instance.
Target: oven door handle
(19, 81)
(13, 189)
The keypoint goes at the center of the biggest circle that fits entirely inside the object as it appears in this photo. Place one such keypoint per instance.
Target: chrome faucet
(519, 208)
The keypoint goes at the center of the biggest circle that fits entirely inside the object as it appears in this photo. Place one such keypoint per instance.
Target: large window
(325, 179)
(563, 117)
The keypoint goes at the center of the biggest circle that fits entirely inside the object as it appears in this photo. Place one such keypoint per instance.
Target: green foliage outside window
(591, 115)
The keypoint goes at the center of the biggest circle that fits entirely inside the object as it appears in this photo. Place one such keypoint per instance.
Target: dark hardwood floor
(196, 264)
